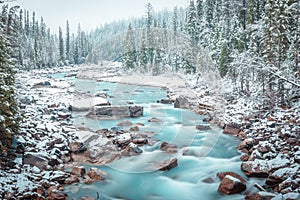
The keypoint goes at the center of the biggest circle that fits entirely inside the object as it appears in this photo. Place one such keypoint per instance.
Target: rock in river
(231, 185)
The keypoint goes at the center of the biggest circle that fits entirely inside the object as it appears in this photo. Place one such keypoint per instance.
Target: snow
(232, 178)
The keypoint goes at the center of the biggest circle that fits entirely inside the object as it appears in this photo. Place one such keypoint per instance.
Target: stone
(222, 175)
(78, 171)
(140, 141)
(203, 127)
(42, 84)
(153, 119)
(244, 157)
(77, 147)
(232, 129)
(64, 115)
(169, 148)
(124, 123)
(231, 185)
(134, 129)
(181, 102)
(260, 196)
(255, 169)
(136, 111)
(165, 101)
(94, 174)
(132, 150)
(35, 160)
(72, 179)
(88, 198)
(57, 195)
(168, 164)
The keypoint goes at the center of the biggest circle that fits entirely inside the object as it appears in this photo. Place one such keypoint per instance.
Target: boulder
(35, 160)
(57, 195)
(78, 171)
(260, 196)
(77, 147)
(181, 102)
(257, 168)
(72, 179)
(42, 84)
(94, 174)
(140, 141)
(132, 150)
(153, 119)
(231, 185)
(124, 123)
(136, 111)
(222, 175)
(232, 129)
(168, 164)
(169, 148)
(134, 129)
(165, 101)
(203, 127)
(64, 115)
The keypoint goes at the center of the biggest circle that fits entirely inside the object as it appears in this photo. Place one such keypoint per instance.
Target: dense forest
(252, 43)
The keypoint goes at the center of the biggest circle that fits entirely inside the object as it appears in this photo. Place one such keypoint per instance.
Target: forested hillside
(252, 43)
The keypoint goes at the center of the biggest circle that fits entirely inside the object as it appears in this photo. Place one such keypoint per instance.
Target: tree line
(252, 43)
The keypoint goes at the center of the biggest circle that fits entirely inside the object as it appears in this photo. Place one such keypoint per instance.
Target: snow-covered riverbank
(49, 140)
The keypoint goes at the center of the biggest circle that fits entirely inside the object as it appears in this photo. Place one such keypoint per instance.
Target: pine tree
(61, 47)
(8, 106)
(191, 24)
(68, 42)
(130, 55)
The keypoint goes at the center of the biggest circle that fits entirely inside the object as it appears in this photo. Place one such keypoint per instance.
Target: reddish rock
(222, 175)
(140, 141)
(168, 164)
(94, 174)
(231, 185)
(232, 129)
(169, 148)
(252, 169)
(244, 157)
(72, 179)
(139, 124)
(57, 195)
(134, 129)
(88, 180)
(78, 171)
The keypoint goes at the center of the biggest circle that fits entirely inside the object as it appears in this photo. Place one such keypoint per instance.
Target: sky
(91, 13)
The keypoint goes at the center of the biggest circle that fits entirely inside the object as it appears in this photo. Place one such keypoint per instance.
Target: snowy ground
(270, 140)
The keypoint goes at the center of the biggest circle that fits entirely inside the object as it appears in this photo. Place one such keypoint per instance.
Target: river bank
(50, 141)
(270, 138)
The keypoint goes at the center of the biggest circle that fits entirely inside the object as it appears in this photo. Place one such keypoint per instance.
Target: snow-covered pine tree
(8, 106)
(130, 54)
(68, 42)
(61, 47)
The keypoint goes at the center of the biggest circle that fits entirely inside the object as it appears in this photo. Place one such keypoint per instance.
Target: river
(201, 154)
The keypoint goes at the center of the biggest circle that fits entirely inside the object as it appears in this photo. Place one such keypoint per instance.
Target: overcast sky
(91, 13)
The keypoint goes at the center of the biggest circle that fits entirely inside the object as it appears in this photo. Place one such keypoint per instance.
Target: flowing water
(136, 177)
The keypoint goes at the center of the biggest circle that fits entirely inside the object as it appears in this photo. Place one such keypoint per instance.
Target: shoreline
(60, 122)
